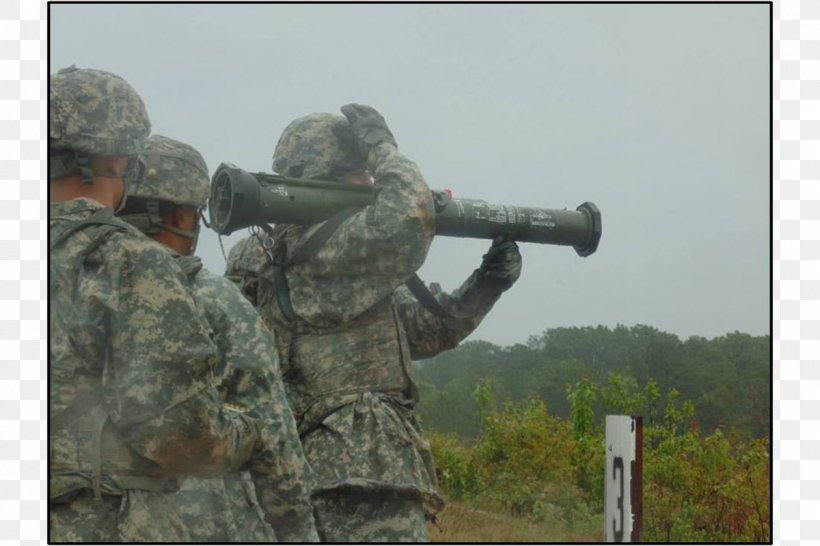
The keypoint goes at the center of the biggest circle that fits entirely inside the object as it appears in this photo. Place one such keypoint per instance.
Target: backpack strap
(318, 238)
(100, 217)
(425, 297)
(277, 252)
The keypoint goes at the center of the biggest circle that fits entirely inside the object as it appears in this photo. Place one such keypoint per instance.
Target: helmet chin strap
(193, 235)
(156, 219)
(151, 223)
(83, 162)
(123, 198)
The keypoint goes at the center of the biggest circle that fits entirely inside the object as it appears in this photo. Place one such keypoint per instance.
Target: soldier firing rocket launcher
(240, 199)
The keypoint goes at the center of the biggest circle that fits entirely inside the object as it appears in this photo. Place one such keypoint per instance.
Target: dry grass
(460, 523)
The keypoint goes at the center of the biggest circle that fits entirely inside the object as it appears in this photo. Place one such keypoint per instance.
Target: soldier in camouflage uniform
(166, 205)
(347, 329)
(132, 404)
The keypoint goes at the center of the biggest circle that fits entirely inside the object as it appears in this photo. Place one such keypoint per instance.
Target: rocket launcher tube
(240, 199)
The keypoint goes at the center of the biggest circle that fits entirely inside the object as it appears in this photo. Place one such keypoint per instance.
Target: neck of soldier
(179, 244)
(104, 190)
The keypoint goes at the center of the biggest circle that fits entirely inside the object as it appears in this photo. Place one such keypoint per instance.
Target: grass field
(462, 523)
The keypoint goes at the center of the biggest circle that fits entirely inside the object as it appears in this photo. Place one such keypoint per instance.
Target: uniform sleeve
(372, 252)
(429, 334)
(250, 379)
(158, 371)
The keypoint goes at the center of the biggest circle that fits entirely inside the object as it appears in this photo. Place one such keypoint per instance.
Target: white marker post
(623, 492)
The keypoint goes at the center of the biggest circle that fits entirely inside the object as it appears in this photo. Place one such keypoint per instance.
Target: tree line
(727, 379)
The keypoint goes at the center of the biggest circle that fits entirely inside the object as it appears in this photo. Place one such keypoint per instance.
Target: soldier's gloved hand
(368, 127)
(502, 263)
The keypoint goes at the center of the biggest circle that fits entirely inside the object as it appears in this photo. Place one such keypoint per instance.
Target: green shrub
(530, 464)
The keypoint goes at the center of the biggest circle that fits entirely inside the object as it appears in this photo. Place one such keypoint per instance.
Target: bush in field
(524, 440)
(531, 464)
(521, 464)
(713, 489)
(588, 454)
(454, 465)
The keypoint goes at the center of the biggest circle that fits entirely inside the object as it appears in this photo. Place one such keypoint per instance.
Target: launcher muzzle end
(591, 245)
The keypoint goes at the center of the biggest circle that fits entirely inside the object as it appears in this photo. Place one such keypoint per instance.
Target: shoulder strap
(319, 237)
(277, 252)
(280, 285)
(100, 217)
(425, 297)
(429, 301)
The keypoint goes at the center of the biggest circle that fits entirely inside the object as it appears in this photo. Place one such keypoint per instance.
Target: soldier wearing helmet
(347, 329)
(166, 205)
(97, 127)
(131, 404)
(245, 260)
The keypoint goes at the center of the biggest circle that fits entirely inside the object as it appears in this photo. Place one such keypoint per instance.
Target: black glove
(502, 263)
(368, 127)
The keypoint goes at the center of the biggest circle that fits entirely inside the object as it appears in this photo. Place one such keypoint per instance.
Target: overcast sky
(657, 113)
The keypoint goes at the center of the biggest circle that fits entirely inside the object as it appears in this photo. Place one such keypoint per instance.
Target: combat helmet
(175, 174)
(246, 256)
(318, 146)
(246, 260)
(174, 171)
(93, 113)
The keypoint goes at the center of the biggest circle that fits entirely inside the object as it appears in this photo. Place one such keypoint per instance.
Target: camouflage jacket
(347, 358)
(249, 380)
(132, 403)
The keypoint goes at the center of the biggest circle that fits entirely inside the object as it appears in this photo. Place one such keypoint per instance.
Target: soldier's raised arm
(374, 250)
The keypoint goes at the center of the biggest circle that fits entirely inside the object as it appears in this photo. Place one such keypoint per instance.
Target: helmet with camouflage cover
(175, 175)
(246, 256)
(318, 146)
(245, 262)
(92, 112)
(174, 171)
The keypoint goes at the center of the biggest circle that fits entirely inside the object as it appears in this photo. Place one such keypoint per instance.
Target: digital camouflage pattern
(95, 112)
(316, 146)
(245, 260)
(174, 171)
(347, 359)
(249, 381)
(246, 257)
(82, 518)
(226, 508)
(132, 403)
(362, 517)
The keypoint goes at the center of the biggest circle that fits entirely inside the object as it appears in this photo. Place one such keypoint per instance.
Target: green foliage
(588, 452)
(706, 489)
(528, 463)
(726, 378)
(581, 397)
(454, 465)
(518, 440)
